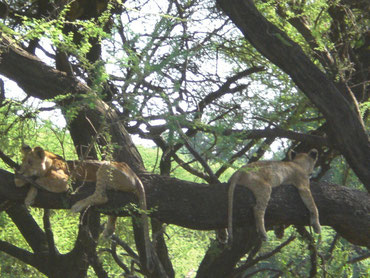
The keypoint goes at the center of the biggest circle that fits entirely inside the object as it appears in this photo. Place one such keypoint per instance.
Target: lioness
(52, 173)
(260, 177)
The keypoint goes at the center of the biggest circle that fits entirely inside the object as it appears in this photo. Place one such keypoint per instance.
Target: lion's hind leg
(98, 198)
(262, 193)
(110, 226)
(94, 199)
(104, 178)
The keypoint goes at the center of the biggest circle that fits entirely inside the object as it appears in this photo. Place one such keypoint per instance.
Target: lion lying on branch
(52, 173)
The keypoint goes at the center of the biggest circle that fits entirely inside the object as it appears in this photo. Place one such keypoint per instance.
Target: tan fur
(47, 169)
(52, 173)
(260, 177)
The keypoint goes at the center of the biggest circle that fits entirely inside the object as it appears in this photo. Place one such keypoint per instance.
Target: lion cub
(260, 177)
(52, 173)
(48, 170)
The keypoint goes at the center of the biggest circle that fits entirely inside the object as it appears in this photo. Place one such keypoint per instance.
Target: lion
(260, 177)
(48, 170)
(52, 173)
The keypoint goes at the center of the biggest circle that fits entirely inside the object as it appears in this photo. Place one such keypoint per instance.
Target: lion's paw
(77, 207)
(29, 202)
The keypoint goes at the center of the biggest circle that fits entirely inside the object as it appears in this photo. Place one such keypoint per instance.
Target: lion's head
(34, 162)
(305, 160)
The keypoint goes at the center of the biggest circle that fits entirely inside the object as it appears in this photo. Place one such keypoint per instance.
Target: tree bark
(204, 207)
(347, 131)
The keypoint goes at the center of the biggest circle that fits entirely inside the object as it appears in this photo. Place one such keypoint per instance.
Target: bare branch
(263, 257)
(359, 258)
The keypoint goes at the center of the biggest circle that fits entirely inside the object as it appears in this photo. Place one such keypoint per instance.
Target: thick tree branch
(204, 207)
(20, 254)
(28, 227)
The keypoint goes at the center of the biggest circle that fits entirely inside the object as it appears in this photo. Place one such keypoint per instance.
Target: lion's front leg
(305, 193)
(31, 196)
(57, 182)
(19, 182)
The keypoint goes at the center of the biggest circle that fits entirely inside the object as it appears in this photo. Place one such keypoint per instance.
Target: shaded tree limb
(8, 160)
(28, 227)
(19, 253)
(49, 234)
(359, 258)
(204, 207)
(44, 258)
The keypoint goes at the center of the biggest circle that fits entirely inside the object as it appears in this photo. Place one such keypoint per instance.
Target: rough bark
(204, 207)
(347, 131)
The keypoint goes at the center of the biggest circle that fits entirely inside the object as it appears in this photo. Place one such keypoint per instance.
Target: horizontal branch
(275, 132)
(278, 132)
(204, 207)
(32, 75)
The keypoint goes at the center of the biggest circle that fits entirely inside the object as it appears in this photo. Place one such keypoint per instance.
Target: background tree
(182, 76)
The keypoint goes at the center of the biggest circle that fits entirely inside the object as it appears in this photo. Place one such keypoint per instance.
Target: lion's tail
(145, 222)
(233, 181)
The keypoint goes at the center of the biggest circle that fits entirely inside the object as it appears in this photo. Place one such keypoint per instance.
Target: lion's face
(34, 163)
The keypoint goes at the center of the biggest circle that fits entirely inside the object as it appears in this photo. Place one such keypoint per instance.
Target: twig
(311, 247)
(125, 246)
(206, 167)
(359, 258)
(252, 262)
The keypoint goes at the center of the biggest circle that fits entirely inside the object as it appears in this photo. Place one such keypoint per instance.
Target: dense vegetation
(206, 86)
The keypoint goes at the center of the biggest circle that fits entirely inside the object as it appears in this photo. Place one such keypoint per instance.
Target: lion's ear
(313, 154)
(39, 152)
(291, 155)
(25, 149)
